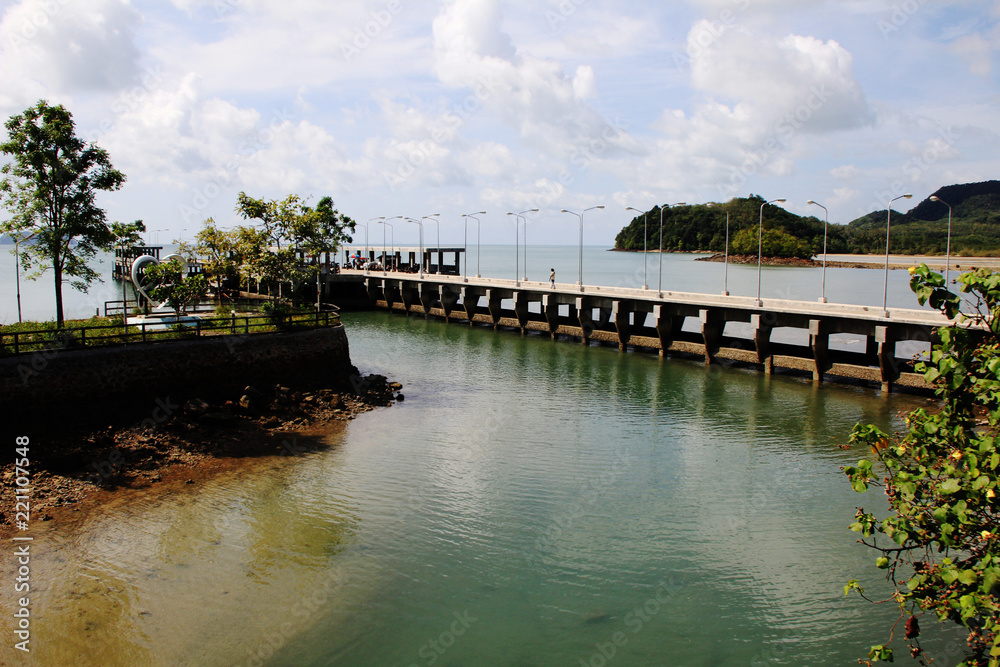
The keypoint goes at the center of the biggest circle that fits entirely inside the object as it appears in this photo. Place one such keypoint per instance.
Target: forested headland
(975, 228)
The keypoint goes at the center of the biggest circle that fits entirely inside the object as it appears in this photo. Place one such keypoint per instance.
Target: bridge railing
(47, 340)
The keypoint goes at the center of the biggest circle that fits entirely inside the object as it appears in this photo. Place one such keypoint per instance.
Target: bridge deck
(734, 328)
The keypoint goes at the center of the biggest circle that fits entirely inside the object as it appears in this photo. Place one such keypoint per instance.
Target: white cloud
(55, 48)
(535, 95)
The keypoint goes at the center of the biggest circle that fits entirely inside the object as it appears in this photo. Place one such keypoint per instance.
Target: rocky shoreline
(186, 441)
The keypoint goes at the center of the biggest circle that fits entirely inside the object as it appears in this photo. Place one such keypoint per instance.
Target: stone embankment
(188, 440)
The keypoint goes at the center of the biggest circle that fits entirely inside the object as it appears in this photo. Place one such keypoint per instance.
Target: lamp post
(420, 224)
(385, 258)
(579, 215)
(760, 244)
(659, 277)
(434, 217)
(478, 241)
(947, 261)
(366, 241)
(888, 219)
(725, 269)
(520, 216)
(645, 232)
(826, 226)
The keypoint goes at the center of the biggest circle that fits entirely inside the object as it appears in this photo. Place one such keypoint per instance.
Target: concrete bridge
(829, 341)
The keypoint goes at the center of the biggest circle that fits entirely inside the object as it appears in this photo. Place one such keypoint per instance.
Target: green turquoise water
(530, 503)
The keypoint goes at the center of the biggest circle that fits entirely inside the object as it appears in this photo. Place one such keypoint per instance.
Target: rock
(246, 402)
(400, 398)
(395, 386)
(196, 406)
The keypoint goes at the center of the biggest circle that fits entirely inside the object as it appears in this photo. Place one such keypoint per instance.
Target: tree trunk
(57, 274)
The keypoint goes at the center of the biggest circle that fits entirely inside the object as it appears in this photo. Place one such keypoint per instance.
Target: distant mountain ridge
(975, 227)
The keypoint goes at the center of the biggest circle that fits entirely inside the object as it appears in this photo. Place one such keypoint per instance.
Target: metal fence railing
(39, 340)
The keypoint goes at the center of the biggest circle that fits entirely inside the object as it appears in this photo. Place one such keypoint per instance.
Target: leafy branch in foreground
(939, 543)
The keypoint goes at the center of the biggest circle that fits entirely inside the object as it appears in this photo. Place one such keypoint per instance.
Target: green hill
(700, 227)
(975, 228)
(975, 224)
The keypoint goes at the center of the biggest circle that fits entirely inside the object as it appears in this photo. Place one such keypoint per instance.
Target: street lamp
(725, 270)
(659, 277)
(579, 215)
(385, 258)
(478, 241)
(826, 225)
(888, 219)
(760, 244)
(645, 231)
(420, 224)
(434, 216)
(518, 216)
(366, 241)
(947, 261)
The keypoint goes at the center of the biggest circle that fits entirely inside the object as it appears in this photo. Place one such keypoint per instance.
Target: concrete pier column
(470, 299)
(762, 327)
(819, 341)
(427, 293)
(449, 299)
(406, 294)
(391, 290)
(621, 315)
(712, 327)
(668, 325)
(550, 308)
(521, 309)
(887, 363)
(493, 300)
(585, 315)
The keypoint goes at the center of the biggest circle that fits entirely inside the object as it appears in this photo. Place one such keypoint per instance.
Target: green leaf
(968, 577)
(949, 486)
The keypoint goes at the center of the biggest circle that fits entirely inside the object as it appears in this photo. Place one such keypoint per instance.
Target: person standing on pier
(552, 277)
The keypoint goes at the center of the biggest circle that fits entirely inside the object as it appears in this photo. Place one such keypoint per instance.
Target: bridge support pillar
(668, 325)
(712, 327)
(470, 300)
(550, 308)
(585, 314)
(391, 290)
(886, 357)
(449, 299)
(521, 309)
(493, 303)
(819, 341)
(621, 315)
(427, 294)
(762, 325)
(406, 296)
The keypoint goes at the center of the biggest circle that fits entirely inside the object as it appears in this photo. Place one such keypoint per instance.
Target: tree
(217, 247)
(939, 544)
(173, 287)
(50, 189)
(313, 230)
(126, 235)
(773, 243)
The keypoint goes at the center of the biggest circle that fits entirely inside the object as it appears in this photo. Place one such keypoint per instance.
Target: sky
(416, 107)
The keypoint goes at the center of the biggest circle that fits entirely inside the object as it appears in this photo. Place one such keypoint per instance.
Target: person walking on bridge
(552, 277)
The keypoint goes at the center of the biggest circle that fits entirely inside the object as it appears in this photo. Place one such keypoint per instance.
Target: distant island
(975, 228)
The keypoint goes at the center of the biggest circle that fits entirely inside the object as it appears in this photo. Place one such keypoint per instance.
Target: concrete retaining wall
(59, 382)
